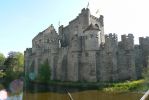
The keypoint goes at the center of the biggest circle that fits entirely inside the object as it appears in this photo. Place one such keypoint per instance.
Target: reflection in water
(84, 95)
(63, 95)
(16, 86)
(16, 97)
(13, 92)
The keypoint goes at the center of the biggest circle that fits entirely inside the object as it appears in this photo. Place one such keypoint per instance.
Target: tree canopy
(14, 66)
(14, 59)
(2, 59)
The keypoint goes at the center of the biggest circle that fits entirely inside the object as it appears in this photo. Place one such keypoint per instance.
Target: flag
(59, 23)
(97, 11)
(88, 5)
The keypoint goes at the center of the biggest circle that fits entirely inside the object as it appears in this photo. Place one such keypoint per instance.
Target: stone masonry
(81, 51)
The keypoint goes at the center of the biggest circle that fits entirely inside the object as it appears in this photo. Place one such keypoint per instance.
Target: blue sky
(21, 20)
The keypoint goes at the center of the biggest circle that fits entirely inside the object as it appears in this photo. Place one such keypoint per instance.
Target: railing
(70, 97)
(145, 96)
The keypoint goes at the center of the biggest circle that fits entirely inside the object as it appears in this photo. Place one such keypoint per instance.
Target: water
(60, 93)
(84, 95)
(5, 95)
(16, 97)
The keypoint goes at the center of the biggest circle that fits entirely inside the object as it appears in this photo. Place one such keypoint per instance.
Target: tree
(14, 66)
(2, 59)
(44, 72)
(15, 60)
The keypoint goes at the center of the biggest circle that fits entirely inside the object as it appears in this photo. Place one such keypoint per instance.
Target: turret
(92, 37)
(127, 42)
(144, 46)
(111, 42)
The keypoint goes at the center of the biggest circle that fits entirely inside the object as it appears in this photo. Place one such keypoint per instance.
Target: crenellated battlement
(94, 18)
(82, 52)
(128, 37)
(28, 50)
(127, 42)
(144, 40)
(85, 12)
(74, 20)
(111, 36)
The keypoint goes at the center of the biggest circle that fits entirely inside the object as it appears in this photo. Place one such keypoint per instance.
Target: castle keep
(81, 51)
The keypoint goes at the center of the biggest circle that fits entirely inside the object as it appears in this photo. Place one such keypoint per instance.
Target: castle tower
(107, 59)
(93, 37)
(126, 58)
(144, 47)
(92, 40)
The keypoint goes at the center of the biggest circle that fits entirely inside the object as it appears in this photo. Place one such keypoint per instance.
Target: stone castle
(81, 51)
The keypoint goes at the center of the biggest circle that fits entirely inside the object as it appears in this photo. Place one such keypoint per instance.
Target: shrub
(44, 72)
(2, 74)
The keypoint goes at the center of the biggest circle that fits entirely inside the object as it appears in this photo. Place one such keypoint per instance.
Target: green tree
(44, 72)
(2, 59)
(15, 60)
(14, 66)
(2, 74)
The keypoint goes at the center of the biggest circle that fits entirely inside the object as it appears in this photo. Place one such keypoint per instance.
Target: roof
(92, 27)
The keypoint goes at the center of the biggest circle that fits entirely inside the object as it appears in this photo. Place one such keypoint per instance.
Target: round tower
(93, 39)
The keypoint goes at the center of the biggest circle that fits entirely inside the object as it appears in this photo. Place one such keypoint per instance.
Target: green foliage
(2, 74)
(20, 59)
(1, 87)
(44, 72)
(2, 59)
(14, 64)
(125, 86)
(15, 61)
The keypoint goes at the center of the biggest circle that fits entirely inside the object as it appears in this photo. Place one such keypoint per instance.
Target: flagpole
(87, 5)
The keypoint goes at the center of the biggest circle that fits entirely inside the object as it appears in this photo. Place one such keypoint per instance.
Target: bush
(124, 87)
(44, 72)
(2, 74)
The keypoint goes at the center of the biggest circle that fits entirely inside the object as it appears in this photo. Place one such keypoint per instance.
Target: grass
(137, 85)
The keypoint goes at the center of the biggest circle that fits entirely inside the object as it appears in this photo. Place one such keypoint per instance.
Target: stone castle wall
(81, 52)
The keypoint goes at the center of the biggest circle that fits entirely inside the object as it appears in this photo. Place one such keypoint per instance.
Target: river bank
(55, 89)
(58, 86)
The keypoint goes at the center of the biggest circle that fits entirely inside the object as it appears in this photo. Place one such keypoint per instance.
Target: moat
(57, 92)
(84, 95)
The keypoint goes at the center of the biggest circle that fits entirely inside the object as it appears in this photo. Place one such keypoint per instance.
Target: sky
(22, 20)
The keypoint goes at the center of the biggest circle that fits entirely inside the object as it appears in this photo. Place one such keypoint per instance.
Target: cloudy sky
(21, 20)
